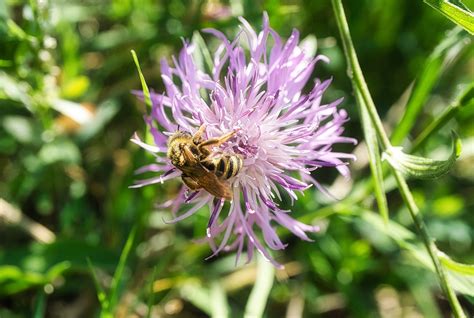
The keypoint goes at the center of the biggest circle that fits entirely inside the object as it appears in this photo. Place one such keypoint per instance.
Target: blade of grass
(101, 295)
(261, 290)
(434, 66)
(375, 161)
(465, 99)
(461, 16)
(146, 92)
(40, 304)
(466, 269)
(117, 279)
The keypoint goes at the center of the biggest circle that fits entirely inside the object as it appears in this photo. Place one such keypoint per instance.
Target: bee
(201, 167)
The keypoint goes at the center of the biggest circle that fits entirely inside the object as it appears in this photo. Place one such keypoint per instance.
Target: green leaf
(15, 31)
(101, 295)
(393, 229)
(118, 275)
(13, 279)
(146, 92)
(460, 275)
(460, 4)
(464, 99)
(420, 167)
(261, 290)
(57, 270)
(461, 16)
(375, 161)
(456, 267)
(450, 47)
(201, 55)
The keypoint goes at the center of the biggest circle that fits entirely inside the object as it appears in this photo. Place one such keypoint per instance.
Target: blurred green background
(66, 117)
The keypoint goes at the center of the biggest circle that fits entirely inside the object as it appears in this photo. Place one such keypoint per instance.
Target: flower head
(282, 134)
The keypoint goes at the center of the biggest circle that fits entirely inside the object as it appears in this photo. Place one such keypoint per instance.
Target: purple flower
(283, 134)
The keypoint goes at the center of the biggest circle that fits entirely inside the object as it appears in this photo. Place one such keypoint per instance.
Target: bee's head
(176, 144)
(179, 134)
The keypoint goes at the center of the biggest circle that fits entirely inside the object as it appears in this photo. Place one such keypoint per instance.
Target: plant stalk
(359, 84)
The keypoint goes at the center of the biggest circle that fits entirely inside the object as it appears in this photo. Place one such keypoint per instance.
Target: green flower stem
(355, 73)
(429, 243)
(360, 85)
(375, 161)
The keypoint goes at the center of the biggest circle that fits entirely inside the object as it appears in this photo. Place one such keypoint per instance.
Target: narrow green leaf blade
(457, 267)
(460, 16)
(460, 275)
(464, 99)
(57, 270)
(118, 275)
(101, 295)
(146, 92)
(450, 47)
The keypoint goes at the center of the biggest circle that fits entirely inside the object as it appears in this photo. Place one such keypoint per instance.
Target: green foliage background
(58, 57)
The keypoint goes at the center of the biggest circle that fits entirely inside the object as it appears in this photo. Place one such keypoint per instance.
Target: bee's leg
(190, 182)
(198, 135)
(216, 141)
(188, 155)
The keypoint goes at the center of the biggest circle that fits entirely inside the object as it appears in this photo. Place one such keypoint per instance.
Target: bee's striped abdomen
(225, 166)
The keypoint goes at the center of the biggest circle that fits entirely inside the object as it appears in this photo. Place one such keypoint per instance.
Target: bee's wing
(205, 178)
(212, 184)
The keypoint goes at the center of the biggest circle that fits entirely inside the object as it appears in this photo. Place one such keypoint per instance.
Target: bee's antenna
(178, 127)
